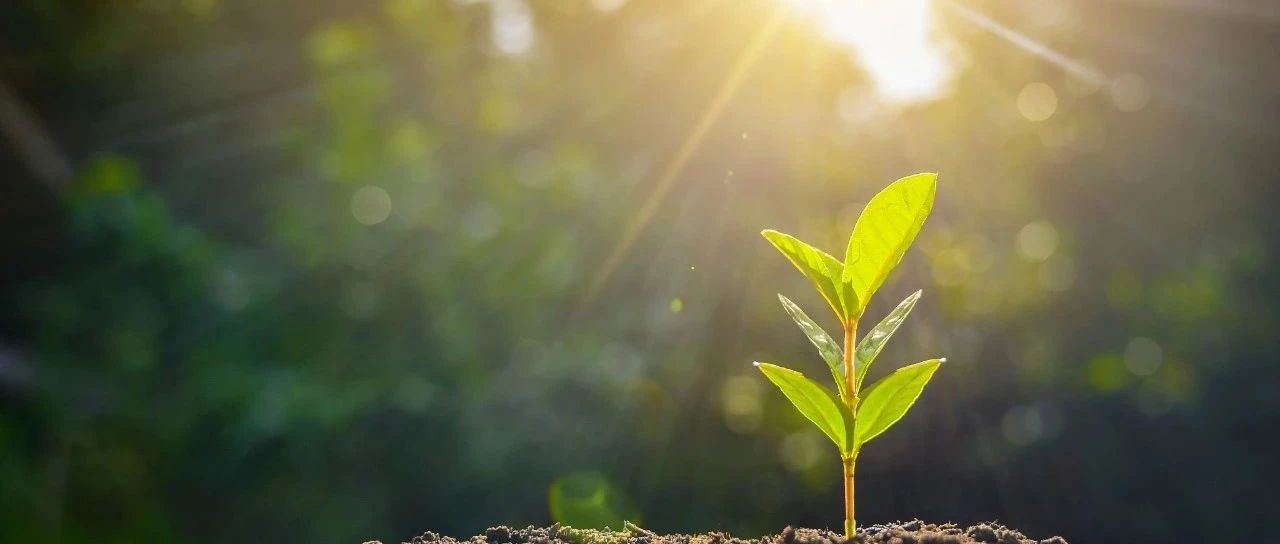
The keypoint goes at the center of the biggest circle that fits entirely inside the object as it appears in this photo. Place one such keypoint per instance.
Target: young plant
(852, 416)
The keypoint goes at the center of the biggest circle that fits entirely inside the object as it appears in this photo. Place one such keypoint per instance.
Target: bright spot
(589, 500)
(1037, 101)
(370, 205)
(1106, 373)
(801, 450)
(1143, 356)
(607, 5)
(512, 25)
(1037, 241)
(1022, 425)
(1130, 92)
(742, 406)
(676, 305)
(892, 40)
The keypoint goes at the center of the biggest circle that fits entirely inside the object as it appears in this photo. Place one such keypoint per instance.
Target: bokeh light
(1142, 356)
(742, 398)
(370, 205)
(802, 450)
(1037, 101)
(587, 499)
(1037, 241)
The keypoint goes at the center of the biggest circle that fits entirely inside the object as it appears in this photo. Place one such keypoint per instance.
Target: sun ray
(1096, 77)
(678, 161)
(1027, 44)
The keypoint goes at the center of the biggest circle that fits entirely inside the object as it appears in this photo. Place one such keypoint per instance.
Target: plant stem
(851, 385)
(850, 526)
(850, 380)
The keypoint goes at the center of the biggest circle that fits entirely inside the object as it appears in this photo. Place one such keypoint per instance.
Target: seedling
(851, 416)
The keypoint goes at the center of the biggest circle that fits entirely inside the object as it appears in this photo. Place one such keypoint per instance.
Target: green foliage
(827, 346)
(815, 402)
(871, 344)
(882, 235)
(884, 231)
(888, 400)
(823, 271)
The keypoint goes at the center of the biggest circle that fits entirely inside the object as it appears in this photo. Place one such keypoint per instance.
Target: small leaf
(888, 400)
(823, 271)
(871, 344)
(813, 401)
(828, 348)
(885, 229)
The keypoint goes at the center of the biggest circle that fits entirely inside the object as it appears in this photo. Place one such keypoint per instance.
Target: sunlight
(891, 40)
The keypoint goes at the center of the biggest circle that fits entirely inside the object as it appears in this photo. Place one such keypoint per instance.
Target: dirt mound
(911, 532)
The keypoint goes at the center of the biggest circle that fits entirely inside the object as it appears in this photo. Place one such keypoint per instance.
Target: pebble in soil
(910, 532)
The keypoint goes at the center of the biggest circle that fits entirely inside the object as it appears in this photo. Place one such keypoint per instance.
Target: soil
(911, 532)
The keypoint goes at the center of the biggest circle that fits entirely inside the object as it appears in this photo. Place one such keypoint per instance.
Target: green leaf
(871, 344)
(813, 401)
(890, 398)
(884, 231)
(823, 271)
(827, 347)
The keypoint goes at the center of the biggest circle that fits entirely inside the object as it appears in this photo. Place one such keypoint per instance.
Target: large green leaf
(815, 402)
(884, 231)
(888, 400)
(823, 270)
(871, 344)
(827, 347)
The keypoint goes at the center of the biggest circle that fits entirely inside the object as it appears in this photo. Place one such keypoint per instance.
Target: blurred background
(327, 271)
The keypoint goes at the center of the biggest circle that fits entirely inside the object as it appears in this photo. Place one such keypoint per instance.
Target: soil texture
(910, 532)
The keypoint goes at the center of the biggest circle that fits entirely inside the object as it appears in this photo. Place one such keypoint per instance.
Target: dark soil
(911, 532)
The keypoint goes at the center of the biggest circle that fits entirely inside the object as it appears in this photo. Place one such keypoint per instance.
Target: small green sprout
(852, 416)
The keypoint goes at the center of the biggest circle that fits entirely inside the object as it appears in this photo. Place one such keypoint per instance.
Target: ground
(911, 532)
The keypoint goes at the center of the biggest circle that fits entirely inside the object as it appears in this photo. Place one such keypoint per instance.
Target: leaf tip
(940, 360)
(756, 364)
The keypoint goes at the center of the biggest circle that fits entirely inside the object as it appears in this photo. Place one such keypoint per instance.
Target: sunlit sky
(892, 40)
